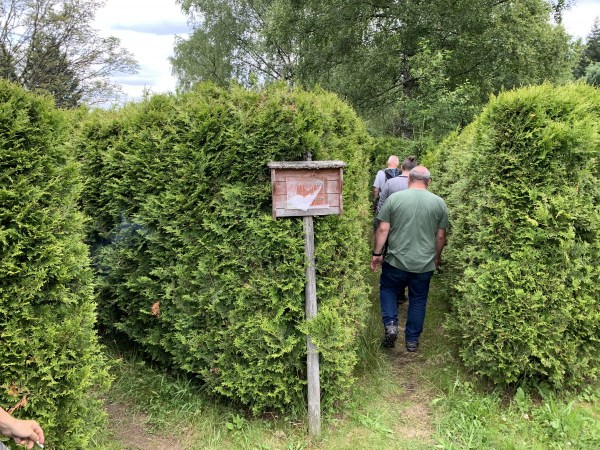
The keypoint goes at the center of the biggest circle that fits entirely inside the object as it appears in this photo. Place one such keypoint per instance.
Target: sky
(578, 20)
(147, 28)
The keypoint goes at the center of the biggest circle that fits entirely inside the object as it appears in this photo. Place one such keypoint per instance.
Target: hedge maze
(158, 215)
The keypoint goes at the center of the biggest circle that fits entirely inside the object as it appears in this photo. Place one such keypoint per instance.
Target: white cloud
(146, 28)
(578, 20)
(131, 13)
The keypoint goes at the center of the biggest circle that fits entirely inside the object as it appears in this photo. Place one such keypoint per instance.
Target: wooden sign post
(306, 189)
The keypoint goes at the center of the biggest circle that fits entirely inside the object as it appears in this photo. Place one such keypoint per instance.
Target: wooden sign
(307, 188)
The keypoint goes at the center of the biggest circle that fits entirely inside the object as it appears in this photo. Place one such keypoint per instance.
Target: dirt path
(416, 416)
(130, 430)
(411, 374)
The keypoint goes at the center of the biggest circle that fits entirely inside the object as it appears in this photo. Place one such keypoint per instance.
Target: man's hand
(24, 432)
(438, 262)
(376, 262)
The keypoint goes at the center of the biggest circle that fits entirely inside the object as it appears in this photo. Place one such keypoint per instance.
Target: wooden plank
(312, 354)
(332, 186)
(341, 182)
(273, 209)
(326, 201)
(333, 200)
(279, 188)
(311, 212)
(306, 164)
(329, 174)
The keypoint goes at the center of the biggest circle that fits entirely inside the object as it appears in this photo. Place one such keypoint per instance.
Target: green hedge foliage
(191, 263)
(523, 189)
(49, 350)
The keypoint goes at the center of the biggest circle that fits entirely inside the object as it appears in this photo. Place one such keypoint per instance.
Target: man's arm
(440, 243)
(377, 185)
(25, 432)
(381, 236)
(385, 193)
(375, 194)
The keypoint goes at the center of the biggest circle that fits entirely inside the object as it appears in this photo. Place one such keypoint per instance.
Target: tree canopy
(407, 66)
(50, 45)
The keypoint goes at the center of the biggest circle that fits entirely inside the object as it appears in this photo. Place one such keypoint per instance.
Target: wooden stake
(312, 354)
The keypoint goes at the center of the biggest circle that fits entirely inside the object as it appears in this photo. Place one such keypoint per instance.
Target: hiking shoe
(391, 334)
(412, 346)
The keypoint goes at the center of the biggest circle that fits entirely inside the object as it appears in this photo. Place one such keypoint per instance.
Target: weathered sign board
(307, 188)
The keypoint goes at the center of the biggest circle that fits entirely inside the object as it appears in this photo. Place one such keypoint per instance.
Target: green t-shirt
(414, 215)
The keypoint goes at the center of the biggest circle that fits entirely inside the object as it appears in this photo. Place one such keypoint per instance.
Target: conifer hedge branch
(191, 263)
(523, 189)
(50, 360)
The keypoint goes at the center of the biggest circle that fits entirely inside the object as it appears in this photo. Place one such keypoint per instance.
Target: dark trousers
(392, 282)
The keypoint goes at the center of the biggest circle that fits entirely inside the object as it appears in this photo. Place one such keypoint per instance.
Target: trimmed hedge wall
(192, 265)
(523, 189)
(49, 350)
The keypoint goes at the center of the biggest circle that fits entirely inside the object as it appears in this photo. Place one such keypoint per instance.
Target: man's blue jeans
(392, 282)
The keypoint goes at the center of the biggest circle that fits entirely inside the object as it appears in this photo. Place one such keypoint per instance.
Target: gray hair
(419, 173)
(393, 160)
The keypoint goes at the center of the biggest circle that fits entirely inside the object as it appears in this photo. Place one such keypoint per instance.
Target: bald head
(419, 177)
(393, 162)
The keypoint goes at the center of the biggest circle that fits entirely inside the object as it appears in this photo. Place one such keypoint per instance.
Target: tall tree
(390, 59)
(592, 74)
(232, 39)
(591, 50)
(50, 45)
(50, 70)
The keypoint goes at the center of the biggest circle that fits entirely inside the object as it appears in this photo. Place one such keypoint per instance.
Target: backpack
(391, 173)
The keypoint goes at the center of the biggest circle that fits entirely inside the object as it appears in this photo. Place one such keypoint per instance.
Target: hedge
(49, 351)
(191, 264)
(522, 185)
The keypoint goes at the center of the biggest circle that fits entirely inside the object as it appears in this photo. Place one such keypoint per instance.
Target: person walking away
(383, 175)
(381, 179)
(392, 185)
(398, 183)
(414, 223)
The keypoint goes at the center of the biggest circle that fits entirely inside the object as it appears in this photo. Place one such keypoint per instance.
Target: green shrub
(50, 353)
(191, 263)
(523, 191)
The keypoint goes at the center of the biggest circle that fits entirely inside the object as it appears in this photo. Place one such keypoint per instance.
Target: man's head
(409, 163)
(419, 178)
(393, 162)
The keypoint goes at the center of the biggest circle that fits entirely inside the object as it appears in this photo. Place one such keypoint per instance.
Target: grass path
(400, 401)
(388, 408)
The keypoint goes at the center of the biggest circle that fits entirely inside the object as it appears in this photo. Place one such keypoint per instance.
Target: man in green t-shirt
(414, 223)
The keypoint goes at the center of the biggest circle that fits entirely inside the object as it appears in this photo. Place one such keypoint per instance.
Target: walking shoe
(412, 346)
(391, 333)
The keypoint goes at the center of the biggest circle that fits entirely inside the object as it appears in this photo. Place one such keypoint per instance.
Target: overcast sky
(147, 28)
(579, 19)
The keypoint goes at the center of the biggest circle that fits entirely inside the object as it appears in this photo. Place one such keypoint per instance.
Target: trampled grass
(400, 401)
